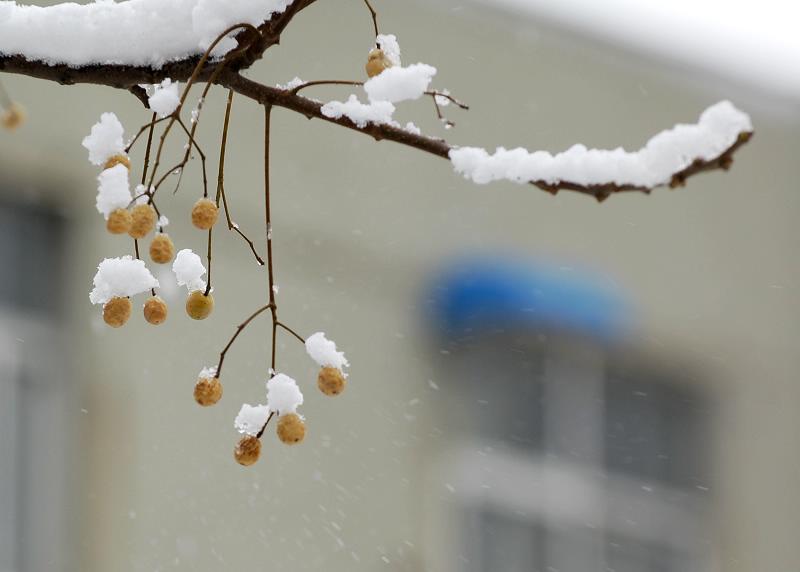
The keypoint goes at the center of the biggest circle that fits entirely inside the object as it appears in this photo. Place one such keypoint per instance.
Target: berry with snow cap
(155, 310)
(143, 220)
(247, 450)
(207, 390)
(162, 249)
(117, 311)
(204, 214)
(331, 381)
(119, 221)
(377, 62)
(291, 429)
(199, 305)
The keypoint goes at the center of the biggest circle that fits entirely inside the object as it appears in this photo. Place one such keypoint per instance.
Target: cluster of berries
(283, 398)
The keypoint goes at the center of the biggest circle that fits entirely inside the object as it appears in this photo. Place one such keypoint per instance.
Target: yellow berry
(13, 116)
(161, 249)
(199, 305)
(143, 220)
(291, 429)
(247, 450)
(118, 160)
(331, 381)
(119, 221)
(204, 214)
(117, 311)
(377, 62)
(155, 310)
(207, 391)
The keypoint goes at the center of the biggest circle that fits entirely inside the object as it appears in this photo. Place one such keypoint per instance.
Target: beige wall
(712, 270)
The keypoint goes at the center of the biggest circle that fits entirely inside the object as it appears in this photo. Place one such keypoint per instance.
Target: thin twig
(221, 182)
(297, 89)
(142, 129)
(374, 15)
(147, 150)
(264, 428)
(208, 259)
(239, 329)
(268, 225)
(291, 331)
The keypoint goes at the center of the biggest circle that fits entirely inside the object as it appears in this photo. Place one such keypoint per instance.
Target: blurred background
(538, 383)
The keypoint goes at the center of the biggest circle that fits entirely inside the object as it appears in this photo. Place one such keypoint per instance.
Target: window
(35, 419)
(574, 453)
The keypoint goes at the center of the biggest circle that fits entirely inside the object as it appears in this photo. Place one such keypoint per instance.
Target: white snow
(162, 221)
(105, 139)
(390, 47)
(113, 190)
(323, 351)
(377, 112)
(207, 372)
(667, 153)
(135, 32)
(164, 99)
(400, 84)
(412, 128)
(291, 84)
(283, 394)
(189, 269)
(120, 277)
(251, 419)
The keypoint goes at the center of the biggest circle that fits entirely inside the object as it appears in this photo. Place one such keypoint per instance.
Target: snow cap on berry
(120, 277)
(113, 190)
(390, 47)
(189, 269)
(283, 395)
(323, 351)
(105, 139)
(251, 419)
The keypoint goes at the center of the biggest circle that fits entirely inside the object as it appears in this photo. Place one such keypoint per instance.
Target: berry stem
(268, 224)
(221, 181)
(239, 329)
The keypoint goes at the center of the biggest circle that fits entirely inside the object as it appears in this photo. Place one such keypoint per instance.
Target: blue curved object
(500, 293)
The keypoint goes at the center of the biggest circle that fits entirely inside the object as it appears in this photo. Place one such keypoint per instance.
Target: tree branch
(129, 77)
(226, 73)
(313, 109)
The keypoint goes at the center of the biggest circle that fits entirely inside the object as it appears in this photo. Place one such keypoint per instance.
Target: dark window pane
(656, 428)
(31, 253)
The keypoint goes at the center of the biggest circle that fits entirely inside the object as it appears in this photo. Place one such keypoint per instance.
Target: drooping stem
(374, 15)
(239, 329)
(208, 260)
(149, 147)
(268, 224)
(221, 181)
(291, 331)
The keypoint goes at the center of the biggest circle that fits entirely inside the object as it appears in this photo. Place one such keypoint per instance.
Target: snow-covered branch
(137, 42)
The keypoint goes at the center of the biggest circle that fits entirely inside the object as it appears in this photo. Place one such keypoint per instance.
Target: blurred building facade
(669, 446)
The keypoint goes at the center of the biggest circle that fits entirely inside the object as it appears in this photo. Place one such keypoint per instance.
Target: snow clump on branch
(136, 32)
(397, 84)
(664, 155)
(163, 98)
